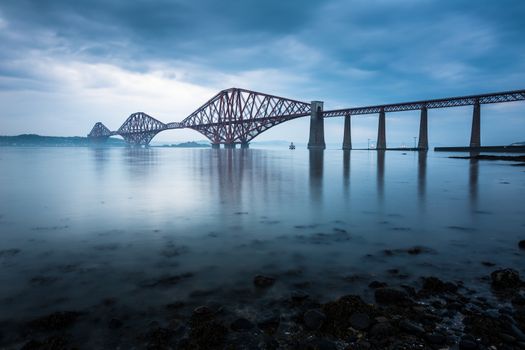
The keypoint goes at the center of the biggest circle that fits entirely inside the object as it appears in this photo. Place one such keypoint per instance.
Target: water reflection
(140, 162)
(316, 158)
(473, 181)
(380, 173)
(421, 174)
(346, 170)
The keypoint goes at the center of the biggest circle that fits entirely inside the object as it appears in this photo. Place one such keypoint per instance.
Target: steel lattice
(500, 97)
(238, 115)
(99, 131)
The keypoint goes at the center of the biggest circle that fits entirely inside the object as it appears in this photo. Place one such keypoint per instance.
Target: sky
(65, 65)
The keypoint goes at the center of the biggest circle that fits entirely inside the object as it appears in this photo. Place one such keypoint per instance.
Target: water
(150, 227)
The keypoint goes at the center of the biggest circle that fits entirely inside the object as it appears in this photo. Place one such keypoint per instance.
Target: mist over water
(154, 226)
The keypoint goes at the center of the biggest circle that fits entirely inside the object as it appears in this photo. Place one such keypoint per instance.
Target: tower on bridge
(316, 126)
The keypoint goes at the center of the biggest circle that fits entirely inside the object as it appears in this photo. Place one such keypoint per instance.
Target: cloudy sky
(65, 65)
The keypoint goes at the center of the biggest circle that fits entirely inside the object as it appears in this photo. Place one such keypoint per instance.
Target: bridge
(236, 116)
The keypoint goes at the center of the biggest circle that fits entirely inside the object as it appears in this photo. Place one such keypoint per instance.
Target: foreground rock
(505, 279)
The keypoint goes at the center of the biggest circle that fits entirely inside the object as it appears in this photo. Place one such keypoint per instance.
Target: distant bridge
(237, 116)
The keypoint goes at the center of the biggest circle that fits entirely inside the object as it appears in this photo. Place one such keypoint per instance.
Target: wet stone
(115, 323)
(521, 244)
(411, 327)
(55, 321)
(299, 295)
(313, 319)
(360, 321)
(436, 338)
(381, 330)
(263, 281)
(388, 295)
(377, 284)
(505, 279)
(467, 344)
(241, 324)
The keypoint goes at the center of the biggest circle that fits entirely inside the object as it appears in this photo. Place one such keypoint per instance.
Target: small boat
(292, 146)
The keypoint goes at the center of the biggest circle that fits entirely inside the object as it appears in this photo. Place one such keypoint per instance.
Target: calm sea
(150, 227)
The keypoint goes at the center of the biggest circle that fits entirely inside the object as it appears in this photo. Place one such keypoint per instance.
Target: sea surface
(152, 227)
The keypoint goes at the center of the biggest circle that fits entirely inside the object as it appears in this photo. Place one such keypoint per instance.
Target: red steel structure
(237, 116)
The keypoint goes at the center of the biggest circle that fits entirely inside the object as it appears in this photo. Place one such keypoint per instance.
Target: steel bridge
(236, 116)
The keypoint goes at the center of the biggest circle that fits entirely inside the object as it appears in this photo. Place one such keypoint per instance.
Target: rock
(115, 323)
(360, 321)
(377, 284)
(381, 330)
(299, 295)
(411, 327)
(521, 244)
(269, 322)
(313, 319)
(55, 321)
(467, 344)
(436, 338)
(433, 285)
(202, 310)
(241, 324)
(389, 295)
(263, 281)
(318, 344)
(507, 338)
(505, 279)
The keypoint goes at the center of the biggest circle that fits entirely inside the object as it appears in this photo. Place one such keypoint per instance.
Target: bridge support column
(215, 145)
(316, 126)
(229, 145)
(381, 134)
(475, 135)
(245, 145)
(423, 130)
(347, 138)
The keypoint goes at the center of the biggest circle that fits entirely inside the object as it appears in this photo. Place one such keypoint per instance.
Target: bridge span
(236, 116)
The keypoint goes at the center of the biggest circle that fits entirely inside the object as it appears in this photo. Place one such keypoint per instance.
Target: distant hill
(53, 141)
(191, 144)
(518, 143)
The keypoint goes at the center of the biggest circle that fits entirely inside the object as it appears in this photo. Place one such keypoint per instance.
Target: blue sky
(65, 65)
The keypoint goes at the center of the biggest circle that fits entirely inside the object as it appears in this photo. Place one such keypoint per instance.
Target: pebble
(360, 321)
(241, 324)
(313, 319)
(263, 281)
(388, 295)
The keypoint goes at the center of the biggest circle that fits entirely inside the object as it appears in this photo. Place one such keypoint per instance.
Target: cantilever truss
(140, 128)
(99, 131)
(238, 115)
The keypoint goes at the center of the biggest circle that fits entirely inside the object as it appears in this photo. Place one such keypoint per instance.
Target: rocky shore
(437, 315)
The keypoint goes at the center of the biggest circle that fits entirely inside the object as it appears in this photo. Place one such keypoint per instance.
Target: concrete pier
(229, 145)
(423, 130)
(475, 135)
(245, 145)
(316, 126)
(347, 138)
(215, 145)
(381, 134)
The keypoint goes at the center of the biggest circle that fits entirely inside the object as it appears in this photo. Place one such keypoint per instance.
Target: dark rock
(241, 324)
(377, 284)
(55, 321)
(269, 323)
(505, 279)
(299, 295)
(318, 344)
(381, 330)
(159, 338)
(411, 327)
(436, 338)
(360, 321)
(488, 263)
(166, 281)
(467, 344)
(51, 343)
(338, 314)
(207, 335)
(521, 244)
(115, 323)
(313, 319)
(518, 300)
(389, 295)
(263, 281)
(433, 285)
(507, 338)
(202, 310)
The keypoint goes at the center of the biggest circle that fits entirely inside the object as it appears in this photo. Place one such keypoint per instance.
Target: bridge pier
(229, 145)
(316, 126)
(423, 130)
(475, 135)
(347, 138)
(381, 134)
(215, 145)
(245, 145)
